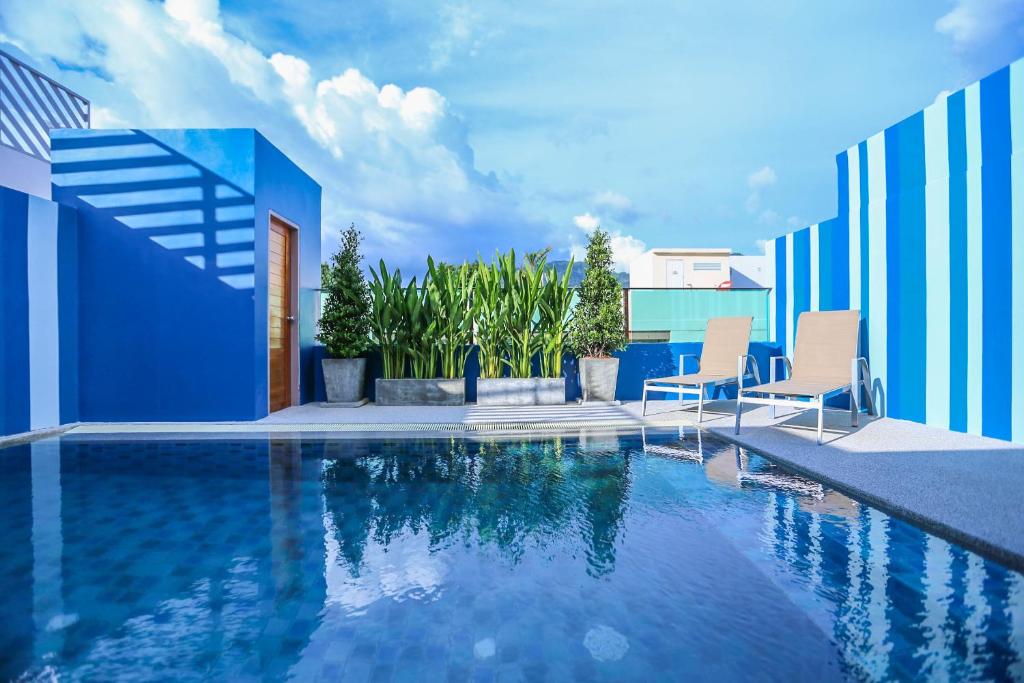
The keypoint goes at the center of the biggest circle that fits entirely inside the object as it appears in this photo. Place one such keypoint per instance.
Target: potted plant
(520, 317)
(345, 322)
(598, 327)
(418, 328)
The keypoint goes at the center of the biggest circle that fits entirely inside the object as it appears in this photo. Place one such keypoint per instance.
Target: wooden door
(281, 317)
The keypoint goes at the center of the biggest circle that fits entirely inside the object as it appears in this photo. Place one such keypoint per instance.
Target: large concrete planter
(598, 377)
(344, 379)
(531, 391)
(421, 392)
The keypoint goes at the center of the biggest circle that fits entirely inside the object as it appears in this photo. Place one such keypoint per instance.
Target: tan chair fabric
(693, 378)
(725, 340)
(793, 387)
(826, 344)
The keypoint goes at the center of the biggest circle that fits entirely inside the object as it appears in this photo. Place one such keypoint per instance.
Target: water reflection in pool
(631, 556)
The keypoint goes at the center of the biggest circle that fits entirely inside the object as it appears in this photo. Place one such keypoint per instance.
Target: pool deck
(965, 488)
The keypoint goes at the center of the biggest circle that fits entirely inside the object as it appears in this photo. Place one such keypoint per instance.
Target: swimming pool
(601, 557)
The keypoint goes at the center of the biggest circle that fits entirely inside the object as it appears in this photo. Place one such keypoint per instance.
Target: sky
(455, 128)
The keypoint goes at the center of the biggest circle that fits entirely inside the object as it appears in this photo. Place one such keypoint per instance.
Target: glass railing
(679, 315)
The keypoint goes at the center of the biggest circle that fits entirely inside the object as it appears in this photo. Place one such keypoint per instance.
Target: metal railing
(32, 104)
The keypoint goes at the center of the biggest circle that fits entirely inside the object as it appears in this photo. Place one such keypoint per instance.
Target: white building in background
(698, 269)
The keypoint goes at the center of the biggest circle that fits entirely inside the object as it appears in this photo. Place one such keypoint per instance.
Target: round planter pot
(598, 377)
(344, 379)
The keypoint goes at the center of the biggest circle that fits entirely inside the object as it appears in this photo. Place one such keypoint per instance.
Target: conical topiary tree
(345, 319)
(598, 327)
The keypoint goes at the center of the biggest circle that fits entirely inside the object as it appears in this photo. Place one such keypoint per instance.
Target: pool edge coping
(1009, 558)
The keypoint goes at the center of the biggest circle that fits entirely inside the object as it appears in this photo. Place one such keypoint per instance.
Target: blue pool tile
(545, 559)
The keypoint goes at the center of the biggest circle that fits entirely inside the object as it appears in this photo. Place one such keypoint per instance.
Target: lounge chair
(723, 360)
(825, 364)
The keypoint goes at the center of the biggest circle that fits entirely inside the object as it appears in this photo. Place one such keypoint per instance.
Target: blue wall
(38, 311)
(172, 305)
(636, 363)
(929, 246)
(283, 188)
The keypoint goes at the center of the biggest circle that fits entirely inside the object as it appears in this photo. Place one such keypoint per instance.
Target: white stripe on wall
(47, 546)
(877, 624)
(769, 252)
(878, 303)
(815, 269)
(974, 264)
(937, 292)
(790, 341)
(43, 335)
(853, 156)
(937, 582)
(1017, 237)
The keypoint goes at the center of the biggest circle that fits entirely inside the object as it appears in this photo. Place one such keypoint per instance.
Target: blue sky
(457, 127)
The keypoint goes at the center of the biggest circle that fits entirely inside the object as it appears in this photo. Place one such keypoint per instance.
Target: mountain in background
(579, 269)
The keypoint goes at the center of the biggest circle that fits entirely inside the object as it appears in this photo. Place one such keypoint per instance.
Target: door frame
(293, 281)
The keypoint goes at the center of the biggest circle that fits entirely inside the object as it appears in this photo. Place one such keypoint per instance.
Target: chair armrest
(860, 374)
(748, 361)
(682, 361)
(772, 366)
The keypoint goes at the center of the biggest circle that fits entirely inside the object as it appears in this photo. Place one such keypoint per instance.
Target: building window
(715, 266)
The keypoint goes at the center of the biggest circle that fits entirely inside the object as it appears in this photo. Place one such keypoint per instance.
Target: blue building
(172, 276)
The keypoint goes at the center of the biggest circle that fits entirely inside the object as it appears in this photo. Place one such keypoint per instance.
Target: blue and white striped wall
(38, 313)
(929, 245)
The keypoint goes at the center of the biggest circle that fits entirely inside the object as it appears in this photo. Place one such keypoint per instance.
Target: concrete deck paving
(966, 488)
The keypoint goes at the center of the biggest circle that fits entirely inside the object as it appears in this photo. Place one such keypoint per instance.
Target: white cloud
(757, 181)
(625, 248)
(762, 177)
(617, 205)
(458, 33)
(397, 162)
(613, 200)
(586, 222)
(975, 23)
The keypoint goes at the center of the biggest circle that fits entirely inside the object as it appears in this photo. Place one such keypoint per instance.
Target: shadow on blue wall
(166, 278)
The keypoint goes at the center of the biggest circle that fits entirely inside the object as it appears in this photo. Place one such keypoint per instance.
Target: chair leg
(739, 411)
(854, 392)
(643, 410)
(821, 417)
(700, 405)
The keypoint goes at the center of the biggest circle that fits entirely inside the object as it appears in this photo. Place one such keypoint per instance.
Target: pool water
(630, 557)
